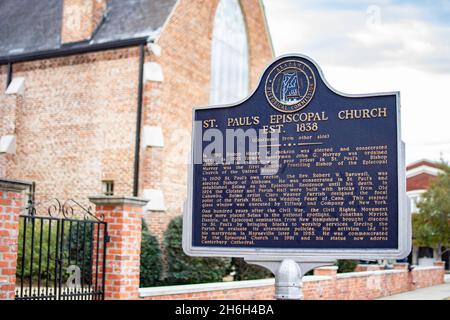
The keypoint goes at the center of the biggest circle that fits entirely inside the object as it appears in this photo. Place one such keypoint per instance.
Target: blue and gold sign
(298, 170)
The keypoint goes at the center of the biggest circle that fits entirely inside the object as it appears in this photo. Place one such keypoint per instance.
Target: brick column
(400, 265)
(124, 218)
(330, 271)
(12, 199)
(407, 277)
(367, 267)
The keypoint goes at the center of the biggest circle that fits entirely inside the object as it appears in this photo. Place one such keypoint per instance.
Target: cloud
(359, 33)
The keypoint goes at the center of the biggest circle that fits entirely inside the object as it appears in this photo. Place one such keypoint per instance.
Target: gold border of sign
(312, 94)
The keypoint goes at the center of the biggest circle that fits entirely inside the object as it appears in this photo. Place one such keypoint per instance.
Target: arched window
(229, 57)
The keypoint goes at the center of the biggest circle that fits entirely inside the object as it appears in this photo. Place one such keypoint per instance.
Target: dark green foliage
(33, 252)
(245, 271)
(75, 250)
(346, 265)
(184, 269)
(151, 265)
(79, 239)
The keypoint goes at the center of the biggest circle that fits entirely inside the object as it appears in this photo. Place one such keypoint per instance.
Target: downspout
(9, 74)
(137, 147)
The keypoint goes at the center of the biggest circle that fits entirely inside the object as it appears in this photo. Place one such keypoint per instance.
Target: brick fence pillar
(407, 276)
(330, 271)
(12, 199)
(124, 218)
(400, 266)
(368, 267)
(441, 275)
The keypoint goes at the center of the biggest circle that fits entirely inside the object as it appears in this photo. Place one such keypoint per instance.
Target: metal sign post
(288, 275)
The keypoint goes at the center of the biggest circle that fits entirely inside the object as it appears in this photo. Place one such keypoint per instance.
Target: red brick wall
(122, 267)
(185, 59)
(76, 124)
(11, 201)
(259, 293)
(419, 182)
(426, 277)
(348, 286)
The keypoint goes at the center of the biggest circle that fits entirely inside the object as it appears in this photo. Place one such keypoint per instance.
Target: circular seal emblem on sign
(290, 86)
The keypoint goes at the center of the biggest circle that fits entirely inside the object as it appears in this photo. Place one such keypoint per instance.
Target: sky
(378, 46)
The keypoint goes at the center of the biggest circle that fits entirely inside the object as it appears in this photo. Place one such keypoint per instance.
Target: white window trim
(422, 169)
(412, 195)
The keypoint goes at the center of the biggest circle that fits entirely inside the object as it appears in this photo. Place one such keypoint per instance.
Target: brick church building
(96, 95)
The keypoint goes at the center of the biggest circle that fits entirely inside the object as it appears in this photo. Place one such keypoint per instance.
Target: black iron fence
(61, 253)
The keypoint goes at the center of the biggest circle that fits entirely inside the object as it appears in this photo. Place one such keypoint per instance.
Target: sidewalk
(439, 292)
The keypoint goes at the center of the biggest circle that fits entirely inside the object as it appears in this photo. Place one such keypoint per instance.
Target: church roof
(28, 26)
(423, 162)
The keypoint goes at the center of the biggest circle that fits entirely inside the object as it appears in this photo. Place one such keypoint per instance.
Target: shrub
(183, 269)
(76, 249)
(245, 271)
(150, 269)
(346, 265)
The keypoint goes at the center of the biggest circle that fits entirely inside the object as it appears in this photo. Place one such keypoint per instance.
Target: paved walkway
(439, 292)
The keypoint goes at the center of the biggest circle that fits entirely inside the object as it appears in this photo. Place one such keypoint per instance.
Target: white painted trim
(217, 286)
(413, 202)
(153, 72)
(154, 48)
(316, 278)
(422, 169)
(156, 200)
(367, 273)
(8, 144)
(17, 86)
(152, 136)
(328, 268)
(118, 200)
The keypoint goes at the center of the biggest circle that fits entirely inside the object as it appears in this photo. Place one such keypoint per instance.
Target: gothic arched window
(229, 56)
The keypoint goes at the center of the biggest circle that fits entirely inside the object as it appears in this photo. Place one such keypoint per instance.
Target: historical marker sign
(298, 170)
